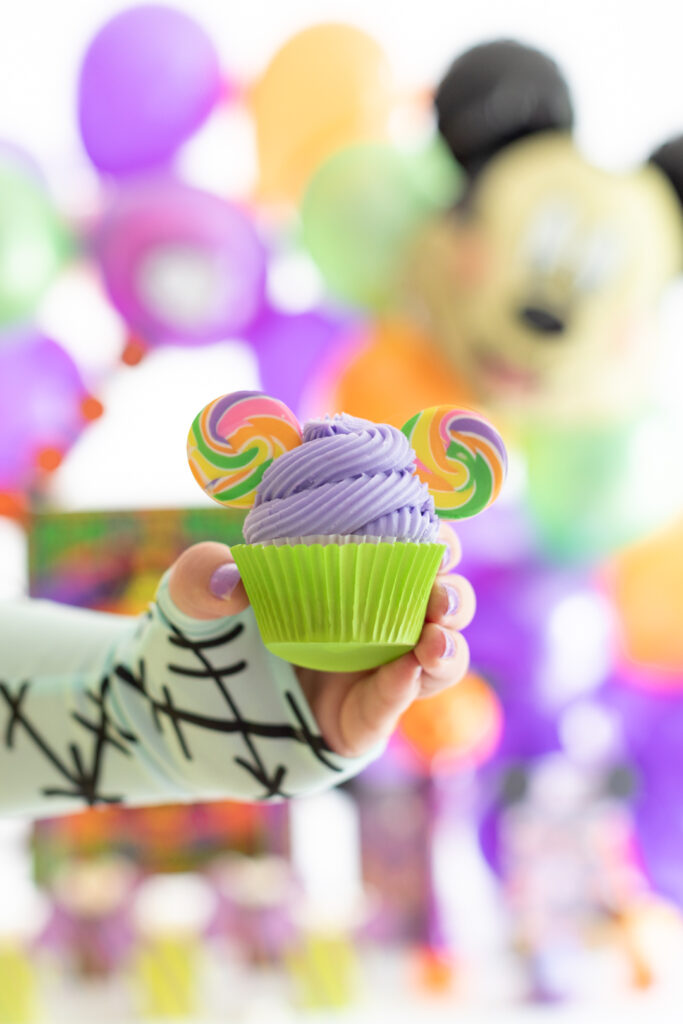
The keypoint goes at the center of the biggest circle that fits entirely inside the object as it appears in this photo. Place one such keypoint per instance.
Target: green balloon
(361, 209)
(33, 245)
(592, 491)
(435, 174)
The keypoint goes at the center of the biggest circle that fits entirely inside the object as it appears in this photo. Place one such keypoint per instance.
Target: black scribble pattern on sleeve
(81, 766)
(234, 722)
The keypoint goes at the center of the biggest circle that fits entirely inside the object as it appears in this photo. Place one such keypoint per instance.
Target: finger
(374, 704)
(444, 656)
(205, 582)
(452, 602)
(453, 553)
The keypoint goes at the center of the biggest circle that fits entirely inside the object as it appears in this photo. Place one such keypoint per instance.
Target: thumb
(205, 583)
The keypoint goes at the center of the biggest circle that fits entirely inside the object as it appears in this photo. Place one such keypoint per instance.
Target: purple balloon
(291, 346)
(652, 724)
(489, 835)
(41, 396)
(659, 831)
(643, 712)
(502, 535)
(511, 641)
(182, 266)
(148, 80)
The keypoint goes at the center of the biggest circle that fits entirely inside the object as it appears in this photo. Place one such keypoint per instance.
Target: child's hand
(355, 710)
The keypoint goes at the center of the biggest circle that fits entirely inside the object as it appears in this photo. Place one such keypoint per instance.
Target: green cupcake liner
(339, 607)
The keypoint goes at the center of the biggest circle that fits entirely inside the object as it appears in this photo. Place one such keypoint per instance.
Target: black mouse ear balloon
(669, 159)
(497, 93)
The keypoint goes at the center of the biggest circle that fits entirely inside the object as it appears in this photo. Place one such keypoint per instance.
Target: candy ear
(497, 93)
(460, 457)
(233, 441)
(669, 159)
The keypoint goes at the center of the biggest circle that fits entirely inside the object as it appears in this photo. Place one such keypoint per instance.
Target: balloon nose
(541, 320)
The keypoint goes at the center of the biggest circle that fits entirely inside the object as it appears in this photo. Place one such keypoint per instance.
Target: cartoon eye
(597, 260)
(548, 236)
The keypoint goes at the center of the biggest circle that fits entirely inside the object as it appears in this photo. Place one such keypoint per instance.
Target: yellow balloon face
(540, 295)
(328, 87)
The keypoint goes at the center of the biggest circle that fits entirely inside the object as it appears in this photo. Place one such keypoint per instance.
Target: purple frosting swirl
(349, 476)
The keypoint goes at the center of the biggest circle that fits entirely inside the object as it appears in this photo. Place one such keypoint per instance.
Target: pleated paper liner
(339, 607)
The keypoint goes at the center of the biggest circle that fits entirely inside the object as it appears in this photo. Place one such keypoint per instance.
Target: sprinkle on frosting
(350, 476)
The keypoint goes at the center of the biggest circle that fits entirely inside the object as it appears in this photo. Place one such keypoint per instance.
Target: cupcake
(341, 547)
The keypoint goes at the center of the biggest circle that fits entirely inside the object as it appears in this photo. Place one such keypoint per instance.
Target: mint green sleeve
(100, 709)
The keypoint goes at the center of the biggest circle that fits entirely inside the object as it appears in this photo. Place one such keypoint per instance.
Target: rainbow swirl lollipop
(460, 457)
(234, 439)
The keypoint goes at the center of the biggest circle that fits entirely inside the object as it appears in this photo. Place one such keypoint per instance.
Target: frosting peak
(350, 476)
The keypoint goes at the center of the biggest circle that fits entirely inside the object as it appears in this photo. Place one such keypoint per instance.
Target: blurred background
(312, 199)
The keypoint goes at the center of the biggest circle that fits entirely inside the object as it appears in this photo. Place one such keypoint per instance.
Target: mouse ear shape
(669, 159)
(497, 93)
(234, 439)
(461, 458)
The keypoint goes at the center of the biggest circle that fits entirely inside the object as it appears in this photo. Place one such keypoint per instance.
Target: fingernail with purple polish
(446, 558)
(448, 644)
(224, 580)
(453, 600)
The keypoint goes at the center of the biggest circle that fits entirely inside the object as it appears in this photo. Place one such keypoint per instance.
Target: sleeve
(104, 709)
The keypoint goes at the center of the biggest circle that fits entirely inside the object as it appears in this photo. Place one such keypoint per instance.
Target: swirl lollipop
(234, 439)
(460, 457)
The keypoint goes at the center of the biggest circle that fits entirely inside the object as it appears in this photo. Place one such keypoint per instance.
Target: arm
(186, 704)
(108, 709)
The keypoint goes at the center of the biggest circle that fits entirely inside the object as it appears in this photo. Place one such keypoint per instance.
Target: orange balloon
(647, 585)
(327, 87)
(393, 373)
(461, 724)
